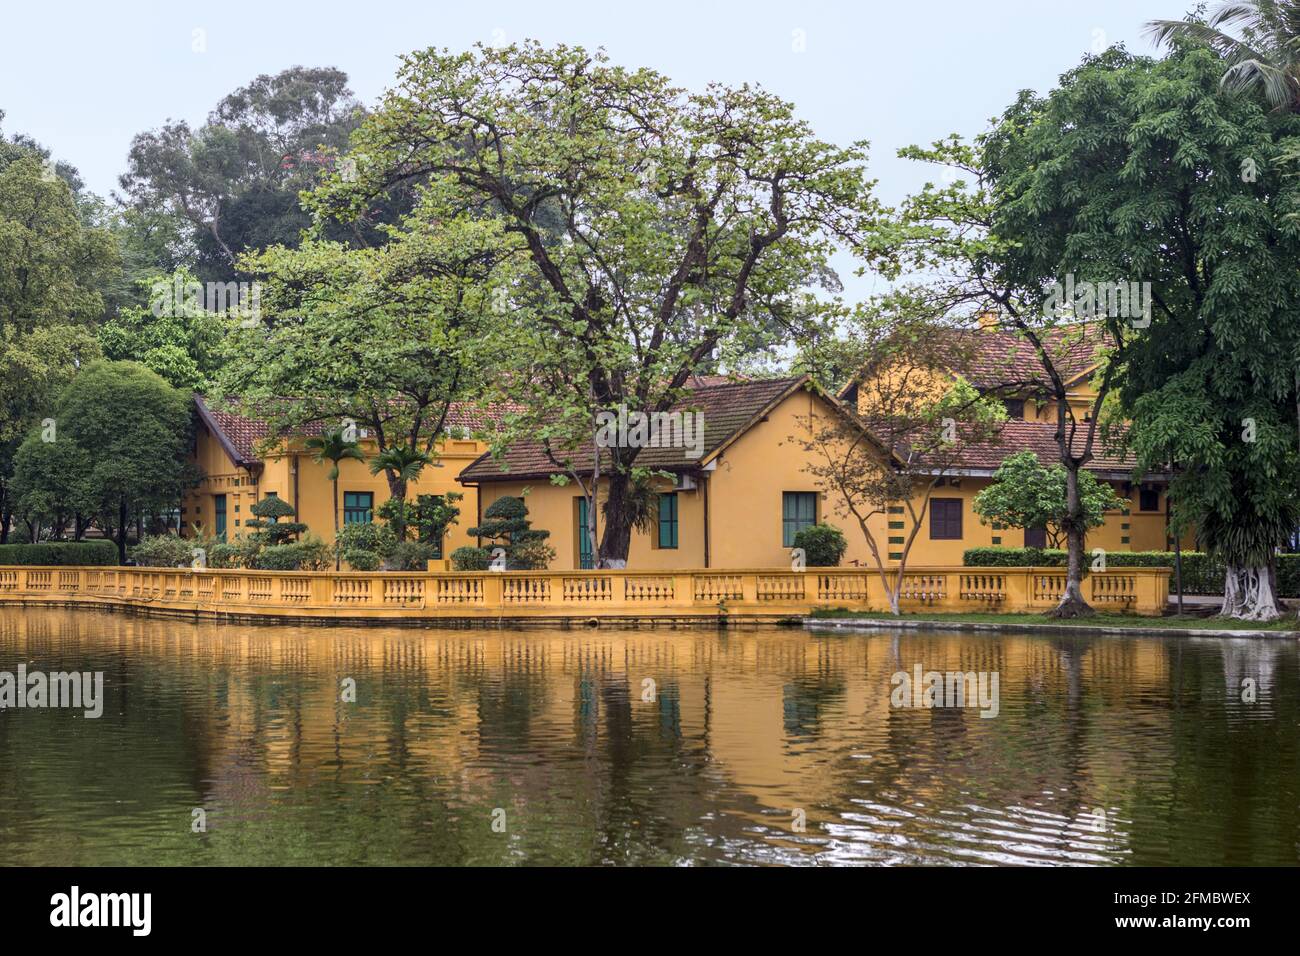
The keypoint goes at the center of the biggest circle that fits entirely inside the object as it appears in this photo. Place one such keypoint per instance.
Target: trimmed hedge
(61, 553)
(1200, 574)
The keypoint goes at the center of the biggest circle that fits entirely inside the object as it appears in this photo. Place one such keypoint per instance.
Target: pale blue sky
(83, 78)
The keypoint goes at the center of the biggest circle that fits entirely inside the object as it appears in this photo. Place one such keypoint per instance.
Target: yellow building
(740, 503)
(237, 474)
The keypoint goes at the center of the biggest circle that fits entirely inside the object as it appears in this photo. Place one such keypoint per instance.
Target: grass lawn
(1288, 622)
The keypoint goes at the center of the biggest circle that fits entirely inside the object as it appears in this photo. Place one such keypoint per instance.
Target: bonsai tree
(506, 525)
(269, 530)
(1026, 494)
(333, 447)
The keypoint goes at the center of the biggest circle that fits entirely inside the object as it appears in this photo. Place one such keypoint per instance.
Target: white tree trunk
(1248, 594)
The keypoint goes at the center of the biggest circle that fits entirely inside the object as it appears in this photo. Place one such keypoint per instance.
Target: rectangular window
(1015, 407)
(798, 511)
(1149, 499)
(945, 519)
(219, 508)
(357, 506)
(585, 559)
(1035, 537)
(668, 520)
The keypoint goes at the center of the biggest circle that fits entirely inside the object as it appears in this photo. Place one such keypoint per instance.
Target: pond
(247, 744)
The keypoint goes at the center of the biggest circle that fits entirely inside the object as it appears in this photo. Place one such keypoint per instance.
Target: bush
(163, 551)
(363, 541)
(224, 554)
(310, 554)
(60, 553)
(411, 556)
(823, 545)
(359, 559)
(530, 555)
(470, 558)
(1013, 558)
(1201, 574)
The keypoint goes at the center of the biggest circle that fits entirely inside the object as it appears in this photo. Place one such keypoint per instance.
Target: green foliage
(59, 553)
(431, 515)
(127, 435)
(53, 268)
(268, 524)
(650, 232)
(823, 544)
(232, 184)
(359, 559)
(163, 551)
(1202, 573)
(365, 545)
(1025, 494)
(309, 554)
(411, 556)
(171, 333)
(49, 486)
(506, 525)
(469, 558)
(334, 447)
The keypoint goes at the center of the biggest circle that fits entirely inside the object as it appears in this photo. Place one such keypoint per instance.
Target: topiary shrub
(506, 525)
(823, 545)
(163, 551)
(470, 558)
(60, 553)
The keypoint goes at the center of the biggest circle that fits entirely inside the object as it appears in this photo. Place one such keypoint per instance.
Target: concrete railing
(754, 594)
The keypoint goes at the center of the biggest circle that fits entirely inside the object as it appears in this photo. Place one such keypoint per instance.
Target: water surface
(643, 747)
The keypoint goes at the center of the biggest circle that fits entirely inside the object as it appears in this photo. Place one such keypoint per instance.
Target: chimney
(989, 321)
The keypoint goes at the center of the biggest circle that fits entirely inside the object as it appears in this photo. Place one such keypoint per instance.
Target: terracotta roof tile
(241, 434)
(727, 407)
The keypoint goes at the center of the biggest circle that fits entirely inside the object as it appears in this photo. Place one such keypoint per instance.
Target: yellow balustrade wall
(700, 596)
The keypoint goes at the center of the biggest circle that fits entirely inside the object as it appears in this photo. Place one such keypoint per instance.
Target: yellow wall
(315, 495)
(744, 494)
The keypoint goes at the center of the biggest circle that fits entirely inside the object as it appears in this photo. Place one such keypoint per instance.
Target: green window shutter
(357, 507)
(668, 520)
(798, 511)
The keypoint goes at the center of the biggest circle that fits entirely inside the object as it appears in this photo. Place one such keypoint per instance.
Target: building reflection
(653, 746)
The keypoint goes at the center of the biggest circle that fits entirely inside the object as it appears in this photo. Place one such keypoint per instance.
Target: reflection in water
(1104, 750)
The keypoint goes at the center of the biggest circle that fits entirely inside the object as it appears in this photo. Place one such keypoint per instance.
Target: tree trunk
(397, 489)
(121, 532)
(1248, 594)
(1072, 600)
(617, 539)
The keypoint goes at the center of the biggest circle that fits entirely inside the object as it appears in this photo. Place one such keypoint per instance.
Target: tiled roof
(993, 359)
(727, 408)
(999, 358)
(1040, 438)
(240, 435)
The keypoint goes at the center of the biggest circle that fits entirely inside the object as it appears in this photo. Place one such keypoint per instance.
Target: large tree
(235, 181)
(131, 432)
(663, 231)
(52, 267)
(391, 339)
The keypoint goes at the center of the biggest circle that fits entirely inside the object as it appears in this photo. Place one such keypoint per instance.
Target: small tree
(403, 466)
(506, 525)
(333, 446)
(911, 428)
(1025, 494)
(268, 529)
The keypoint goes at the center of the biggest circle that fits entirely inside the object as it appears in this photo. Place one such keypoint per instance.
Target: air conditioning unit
(684, 482)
